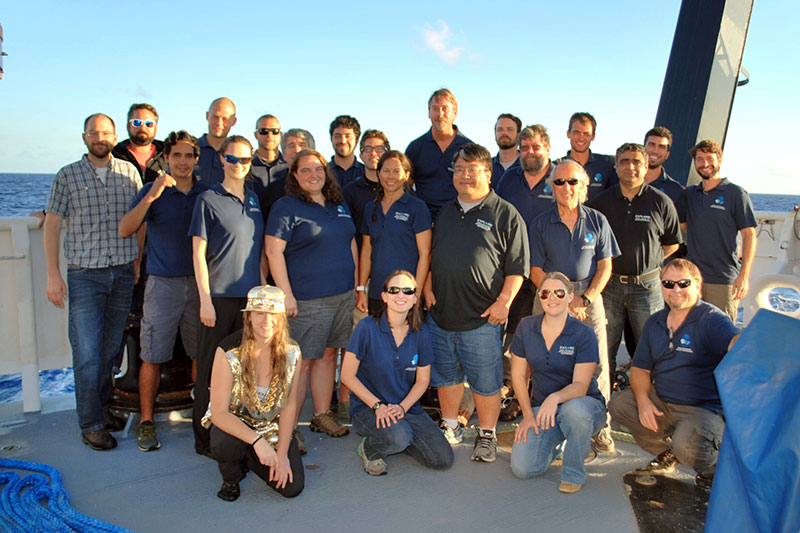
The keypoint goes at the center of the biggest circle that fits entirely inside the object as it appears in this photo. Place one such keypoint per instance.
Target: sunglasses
(544, 294)
(562, 181)
(370, 149)
(264, 131)
(232, 159)
(408, 291)
(669, 284)
(138, 123)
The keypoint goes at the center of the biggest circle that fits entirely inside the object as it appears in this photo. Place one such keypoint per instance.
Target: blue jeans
(637, 303)
(576, 421)
(415, 434)
(99, 303)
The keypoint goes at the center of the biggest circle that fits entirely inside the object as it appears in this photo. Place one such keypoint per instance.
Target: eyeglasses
(377, 149)
(544, 294)
(408, 291)
(232, 159)
(104, 134)
(264, 131)
(464, 171)
(138, 123)
(562, 181)
(670, 284)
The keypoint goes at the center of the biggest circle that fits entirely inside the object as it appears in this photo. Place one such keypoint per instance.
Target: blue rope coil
(44, 506)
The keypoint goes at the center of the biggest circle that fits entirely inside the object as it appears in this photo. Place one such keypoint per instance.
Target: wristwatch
(586, 301)
(361, 288)
(377, 404)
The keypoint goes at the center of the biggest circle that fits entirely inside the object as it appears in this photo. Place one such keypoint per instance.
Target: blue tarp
(757, 482)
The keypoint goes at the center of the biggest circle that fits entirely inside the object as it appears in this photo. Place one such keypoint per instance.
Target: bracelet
(403, 408)
(260, 436)
(361, 288)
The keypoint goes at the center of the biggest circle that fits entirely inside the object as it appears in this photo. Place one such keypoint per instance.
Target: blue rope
(44, 506)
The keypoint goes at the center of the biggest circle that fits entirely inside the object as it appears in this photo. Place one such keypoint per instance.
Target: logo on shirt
(402, 216)
(642, 218)
(342, 211)
(719, 203)
(253, 204)
(597, 180)
(566, 350)
(588, 239)
(414, 361)
(685, 344)
(482, 224)
(548, 190)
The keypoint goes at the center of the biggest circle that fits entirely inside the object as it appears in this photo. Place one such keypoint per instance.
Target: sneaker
(485, 448)
(327, 423)
(99, 440)
(343, 411)
(301, 441)
(229, 492)
(146, 437)
(664, 463)
(602, 442)
(374, 467)
(453, 435)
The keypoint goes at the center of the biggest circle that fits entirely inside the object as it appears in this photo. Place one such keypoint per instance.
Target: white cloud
(439, 40)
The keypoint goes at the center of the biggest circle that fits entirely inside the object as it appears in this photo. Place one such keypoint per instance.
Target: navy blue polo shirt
(273, 192)
(209, 168)
(576, 254)
(169, 248)
(318, 255)
(358, 194)
(674, 190)
(498, 170)
(388, 371)
(393, 237)
(681, 364)
(601, 171)
(263, 173)
(553, 369)
(513, 187)
(433, 179)
(641, 226)
(344, 177)
(713, 220)
(234, 232)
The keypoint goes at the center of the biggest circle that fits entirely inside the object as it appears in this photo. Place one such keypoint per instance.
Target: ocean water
(21, 194)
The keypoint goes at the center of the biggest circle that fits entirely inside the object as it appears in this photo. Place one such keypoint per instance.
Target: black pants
(236, 457)
(229, 319)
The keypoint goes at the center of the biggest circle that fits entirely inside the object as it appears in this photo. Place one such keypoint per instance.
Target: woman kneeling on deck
(387, 369)
(250, 386)
(562, 354)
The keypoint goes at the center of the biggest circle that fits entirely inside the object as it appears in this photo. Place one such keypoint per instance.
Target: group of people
(507, 273)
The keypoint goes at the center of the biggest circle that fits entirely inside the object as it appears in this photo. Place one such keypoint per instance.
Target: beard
(504, 143)
(533, 163)
(141, 139)
(100, 149)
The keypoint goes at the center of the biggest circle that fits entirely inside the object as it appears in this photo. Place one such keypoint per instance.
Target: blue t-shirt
(674, 190)
(433, 179)
(234, 232)
(169, 247)
(601, 171)
(345, 177)
(713, 220)
(393, 237)
(209, 168)
(318, 257)
(498, 170)
(552, 370)
(576, 254)
(388, 371)
(682, 363)
(530, 203)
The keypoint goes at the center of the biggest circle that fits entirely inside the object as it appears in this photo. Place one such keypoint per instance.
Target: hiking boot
(568, 488)
(146, 436)
(229, 492)
(453, 435)
(373, 467)
(114, 422)
(99, 440)
(327, 423)
(510, 410)
(602, 442)
(664, 463)
(343, 411)
(301, 441)
(485, 448)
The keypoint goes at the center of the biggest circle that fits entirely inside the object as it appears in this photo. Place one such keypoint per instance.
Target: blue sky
(307, 63)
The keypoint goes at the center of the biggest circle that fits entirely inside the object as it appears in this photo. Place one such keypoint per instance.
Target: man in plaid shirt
(91, 195)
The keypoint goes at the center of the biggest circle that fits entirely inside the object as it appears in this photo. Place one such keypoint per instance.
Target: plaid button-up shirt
(92, 211)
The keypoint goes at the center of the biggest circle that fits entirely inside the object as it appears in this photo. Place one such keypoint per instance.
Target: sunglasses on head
(232, 159)
(544, 294)
(137, 123)
(408, 291)
(264, 131)
(670, 284)
(562, 181)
